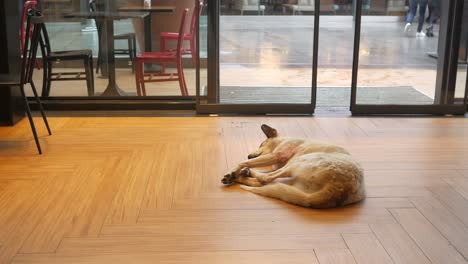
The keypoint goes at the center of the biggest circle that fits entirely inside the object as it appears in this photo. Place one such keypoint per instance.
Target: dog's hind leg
(249, 181)
(288, 193)
(266, 177)
(260, 161)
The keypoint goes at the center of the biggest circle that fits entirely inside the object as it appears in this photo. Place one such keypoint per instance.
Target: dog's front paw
(244, 172)
(229, 178)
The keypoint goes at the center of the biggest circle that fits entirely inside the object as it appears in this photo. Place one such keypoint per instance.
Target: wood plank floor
(147, 190)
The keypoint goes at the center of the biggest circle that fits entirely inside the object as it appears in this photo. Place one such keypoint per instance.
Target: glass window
(77, 28)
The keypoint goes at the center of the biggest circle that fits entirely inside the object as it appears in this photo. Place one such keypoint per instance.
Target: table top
(152, 9)
(107, 15)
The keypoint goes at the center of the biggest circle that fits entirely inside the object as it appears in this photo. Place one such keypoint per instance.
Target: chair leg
(180, 73)
(130, 53)
(91, 70)
(134, 53)
(98, 61)
(142, 79)
(88, 76)
(143, 87)
(49, 77)
(31, 121)
(137, 76)
(194, 52)
(163, 48)
(41, 108)
(44, 79)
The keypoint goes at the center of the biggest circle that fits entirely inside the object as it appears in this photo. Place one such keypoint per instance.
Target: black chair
(50, 57)
(131, 51)
(36, 22)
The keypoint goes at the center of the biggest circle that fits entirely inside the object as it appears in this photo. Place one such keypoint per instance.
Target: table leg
(148, 44)
(148, 35)
(101, 25)
(109, 57)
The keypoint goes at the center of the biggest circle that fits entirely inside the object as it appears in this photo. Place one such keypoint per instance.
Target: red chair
(166, 36)
(162, 57)
(32, 4)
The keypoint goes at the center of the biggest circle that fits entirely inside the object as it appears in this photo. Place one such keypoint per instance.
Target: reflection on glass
(398, 53)
(75, 25)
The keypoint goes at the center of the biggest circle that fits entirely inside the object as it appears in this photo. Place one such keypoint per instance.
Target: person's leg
(413, 7)
(422, 14)
(429, 7)
(412, 11)
(435, 15)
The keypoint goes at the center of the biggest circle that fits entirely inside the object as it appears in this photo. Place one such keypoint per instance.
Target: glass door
(408, 66)
(261, 57)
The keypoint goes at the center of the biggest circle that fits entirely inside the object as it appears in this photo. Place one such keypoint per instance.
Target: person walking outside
(434, 16)
(414, 4)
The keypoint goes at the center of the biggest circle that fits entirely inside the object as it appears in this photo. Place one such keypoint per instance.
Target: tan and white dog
(319, 175)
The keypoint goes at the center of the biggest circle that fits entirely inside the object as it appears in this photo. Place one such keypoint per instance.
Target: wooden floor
(147, 190)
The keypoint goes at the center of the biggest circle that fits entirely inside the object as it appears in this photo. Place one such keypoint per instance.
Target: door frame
(212, 105)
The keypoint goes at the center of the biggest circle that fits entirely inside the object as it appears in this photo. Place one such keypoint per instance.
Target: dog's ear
(269, 131)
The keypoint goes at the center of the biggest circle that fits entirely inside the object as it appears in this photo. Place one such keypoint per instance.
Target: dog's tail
(324, 198)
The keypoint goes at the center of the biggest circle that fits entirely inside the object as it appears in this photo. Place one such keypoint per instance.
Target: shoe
(420, 34)
(430, 31)
(407, 27)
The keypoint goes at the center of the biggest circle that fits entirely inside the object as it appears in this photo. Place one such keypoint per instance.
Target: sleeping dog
(318, 175)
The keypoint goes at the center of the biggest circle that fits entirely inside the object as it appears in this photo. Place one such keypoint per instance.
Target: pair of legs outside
(414, 4)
